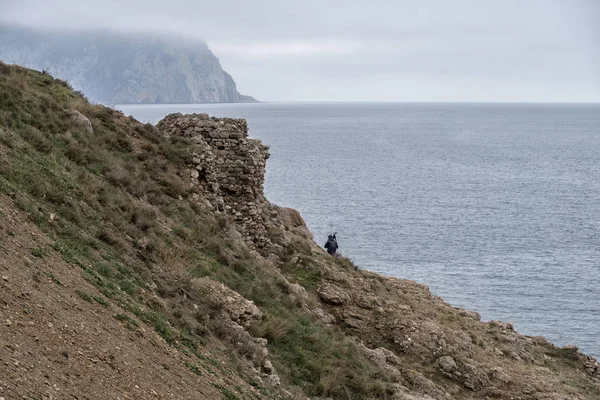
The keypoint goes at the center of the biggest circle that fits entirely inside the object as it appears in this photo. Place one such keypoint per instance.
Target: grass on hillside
(124, 214)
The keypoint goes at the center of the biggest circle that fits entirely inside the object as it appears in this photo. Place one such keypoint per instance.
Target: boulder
(471, 314)
(447, 364)
(81, 121)
(240, 310)
(333, 295)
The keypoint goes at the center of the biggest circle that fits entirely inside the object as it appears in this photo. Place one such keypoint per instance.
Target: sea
(496, 207)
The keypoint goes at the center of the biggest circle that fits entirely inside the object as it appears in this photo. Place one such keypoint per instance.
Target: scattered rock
(82, 121)
(470, 314)
(571, 347)
(297, 290)
(447, 364)
(528, 390)
(52, 218)
(377, 356)
(333, 295)
(292, 219)
(273, 380)
(267, 367)
(367, 301)
(498, 373)
(507, 326)
(540, 340)
(325, 318)
(240, 310)
(142, 243)
(353, 322)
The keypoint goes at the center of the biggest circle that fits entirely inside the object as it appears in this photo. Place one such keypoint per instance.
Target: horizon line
(364, 102)
(426, 101)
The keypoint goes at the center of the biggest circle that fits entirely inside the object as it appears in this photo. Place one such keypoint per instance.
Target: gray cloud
(535, 50)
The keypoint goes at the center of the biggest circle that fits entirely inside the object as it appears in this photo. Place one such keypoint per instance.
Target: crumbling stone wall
(229, 171)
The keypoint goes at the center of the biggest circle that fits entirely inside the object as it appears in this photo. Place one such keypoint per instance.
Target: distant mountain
(114, 68)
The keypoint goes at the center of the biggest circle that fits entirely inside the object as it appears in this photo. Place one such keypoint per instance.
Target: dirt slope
(59, 338)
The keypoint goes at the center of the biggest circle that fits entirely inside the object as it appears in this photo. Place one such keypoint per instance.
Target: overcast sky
(379, 50)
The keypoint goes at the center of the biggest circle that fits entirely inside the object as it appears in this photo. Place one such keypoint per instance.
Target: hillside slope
(60, 338)
(142, 261)
(114, 68)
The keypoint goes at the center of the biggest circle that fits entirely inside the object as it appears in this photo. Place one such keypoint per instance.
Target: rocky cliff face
(116, 68)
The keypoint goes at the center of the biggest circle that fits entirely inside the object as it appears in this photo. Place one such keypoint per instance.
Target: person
(331, 245)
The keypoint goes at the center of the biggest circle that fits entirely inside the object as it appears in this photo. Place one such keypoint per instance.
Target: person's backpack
(331, 246)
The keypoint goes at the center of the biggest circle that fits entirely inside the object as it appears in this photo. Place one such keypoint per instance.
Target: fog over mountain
(382, 50)
(114, 67)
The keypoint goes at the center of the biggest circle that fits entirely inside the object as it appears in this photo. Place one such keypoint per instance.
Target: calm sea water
(495, 207)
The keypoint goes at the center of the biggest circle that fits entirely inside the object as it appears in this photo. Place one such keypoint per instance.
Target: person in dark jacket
(331, 246)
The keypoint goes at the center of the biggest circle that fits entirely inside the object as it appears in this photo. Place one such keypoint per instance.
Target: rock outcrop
(235, 315)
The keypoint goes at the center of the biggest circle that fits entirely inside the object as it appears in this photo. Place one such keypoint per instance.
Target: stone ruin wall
(229, 171)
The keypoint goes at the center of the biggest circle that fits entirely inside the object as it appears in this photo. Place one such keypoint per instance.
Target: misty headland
(113, 68)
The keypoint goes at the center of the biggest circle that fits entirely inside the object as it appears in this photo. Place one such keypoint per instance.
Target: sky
(378, 50)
